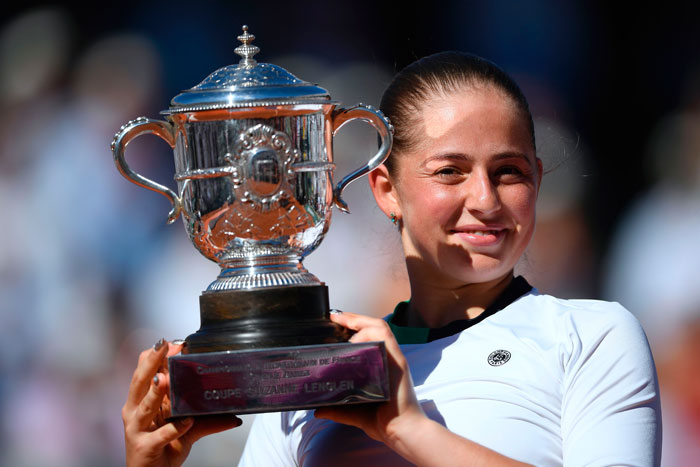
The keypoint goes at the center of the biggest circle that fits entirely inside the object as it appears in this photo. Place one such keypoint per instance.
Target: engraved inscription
(349, 359)
(329, 386)
(291, 368)
(275, 365)
(204, 370)
(219, 394)
(259, 381)
(272, 389)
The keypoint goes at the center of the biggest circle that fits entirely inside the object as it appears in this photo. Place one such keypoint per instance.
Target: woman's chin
(478, 269)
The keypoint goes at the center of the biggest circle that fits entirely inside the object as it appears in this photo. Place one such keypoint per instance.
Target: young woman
(484, 369)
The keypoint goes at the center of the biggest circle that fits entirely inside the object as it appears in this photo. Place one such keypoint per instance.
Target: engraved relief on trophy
(264, 168)
(263, 157)
(264, 206)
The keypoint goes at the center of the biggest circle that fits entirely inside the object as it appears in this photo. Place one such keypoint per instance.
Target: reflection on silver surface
(257, 211)
(254, 168)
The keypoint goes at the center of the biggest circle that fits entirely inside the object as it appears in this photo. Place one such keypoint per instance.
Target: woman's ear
(384, 190)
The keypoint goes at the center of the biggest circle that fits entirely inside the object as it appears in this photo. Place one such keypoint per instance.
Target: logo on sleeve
(498, 357)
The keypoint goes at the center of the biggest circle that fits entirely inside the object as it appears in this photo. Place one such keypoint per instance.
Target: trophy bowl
(253, 148)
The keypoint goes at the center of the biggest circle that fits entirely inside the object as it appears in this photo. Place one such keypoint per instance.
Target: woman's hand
(401, 423)
(150, 439)
(385, 421)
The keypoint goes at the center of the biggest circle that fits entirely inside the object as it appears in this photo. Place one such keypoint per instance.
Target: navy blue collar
(417, 335)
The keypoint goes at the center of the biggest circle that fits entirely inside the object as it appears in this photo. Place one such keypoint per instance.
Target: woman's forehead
(472, 115)
(444, 106)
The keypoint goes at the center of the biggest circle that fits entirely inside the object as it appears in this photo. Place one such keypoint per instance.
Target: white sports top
(544, 381)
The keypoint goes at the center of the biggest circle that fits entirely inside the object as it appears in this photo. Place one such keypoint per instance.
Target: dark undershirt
(416, 335)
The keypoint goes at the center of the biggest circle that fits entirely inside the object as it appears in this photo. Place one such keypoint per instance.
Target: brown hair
(443, 72)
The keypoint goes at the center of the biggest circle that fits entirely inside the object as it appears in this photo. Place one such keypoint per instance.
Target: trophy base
(277, 379)
(264, 318)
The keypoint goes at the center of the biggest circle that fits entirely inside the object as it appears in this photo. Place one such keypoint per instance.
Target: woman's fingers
(368, 330)
(353, 321)
(169, 432)
(209, 425)
(175, 347)
(150, 439)
(150, 406)
(149, 362)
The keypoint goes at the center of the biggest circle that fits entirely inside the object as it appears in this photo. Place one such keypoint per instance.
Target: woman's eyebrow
(513, 155)
(462, 157)
(452, 156)
(530, 161)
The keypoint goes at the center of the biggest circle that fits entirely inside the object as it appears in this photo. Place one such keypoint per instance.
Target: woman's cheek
(438, 202)
(520, 200)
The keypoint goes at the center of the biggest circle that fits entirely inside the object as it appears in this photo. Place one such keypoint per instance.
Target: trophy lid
(247, 84)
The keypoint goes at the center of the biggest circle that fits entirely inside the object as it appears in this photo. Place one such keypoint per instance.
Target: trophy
(254, 172)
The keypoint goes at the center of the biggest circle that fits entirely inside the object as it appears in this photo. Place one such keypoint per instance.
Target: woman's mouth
(481, 237)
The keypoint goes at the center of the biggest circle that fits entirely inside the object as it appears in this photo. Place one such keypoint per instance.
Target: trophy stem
(262, 272)
(264, 318)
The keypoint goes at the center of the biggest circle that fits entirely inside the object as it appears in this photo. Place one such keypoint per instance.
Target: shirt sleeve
(610, 409)
(267, 444)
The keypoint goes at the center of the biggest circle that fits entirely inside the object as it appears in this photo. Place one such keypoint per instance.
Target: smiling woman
(484, 369)
(504, 375)
(464, 195)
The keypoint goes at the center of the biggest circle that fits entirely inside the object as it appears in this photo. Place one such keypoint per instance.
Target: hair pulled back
(442, 73)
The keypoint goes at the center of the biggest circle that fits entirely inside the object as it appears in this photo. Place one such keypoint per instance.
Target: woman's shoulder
(581, 310)
(609, 389)
(586, 323)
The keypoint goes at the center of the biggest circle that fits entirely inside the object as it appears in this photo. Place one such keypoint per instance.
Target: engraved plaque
(284, 378)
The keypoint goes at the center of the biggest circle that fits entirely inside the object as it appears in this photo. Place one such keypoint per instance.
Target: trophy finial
(247, 50)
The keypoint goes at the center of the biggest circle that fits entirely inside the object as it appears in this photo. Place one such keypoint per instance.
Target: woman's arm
(150, 439)
(610, 408)
(401, 423)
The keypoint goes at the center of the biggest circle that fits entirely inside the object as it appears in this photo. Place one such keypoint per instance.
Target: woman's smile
(480, 237)
(467, 196)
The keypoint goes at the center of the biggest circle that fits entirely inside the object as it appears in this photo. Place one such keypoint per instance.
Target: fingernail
(336, 312)
(155, 380)
(185, 421)
(158, 345)
(178, 341)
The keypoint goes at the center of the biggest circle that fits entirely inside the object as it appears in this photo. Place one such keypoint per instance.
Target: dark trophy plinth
(269, 380)
(270, 350)
(253, 147)
(258, 319)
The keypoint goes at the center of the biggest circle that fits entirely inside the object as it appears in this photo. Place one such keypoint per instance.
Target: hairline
(428, 92)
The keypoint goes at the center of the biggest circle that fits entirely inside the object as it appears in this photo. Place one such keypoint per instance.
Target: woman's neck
(435, 306)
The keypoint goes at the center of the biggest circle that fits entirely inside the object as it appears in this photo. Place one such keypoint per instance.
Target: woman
(484, 370)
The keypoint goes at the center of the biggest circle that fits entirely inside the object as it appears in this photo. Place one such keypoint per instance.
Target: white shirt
(576, 385)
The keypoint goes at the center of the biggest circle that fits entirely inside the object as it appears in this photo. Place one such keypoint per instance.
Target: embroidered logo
(498, 357)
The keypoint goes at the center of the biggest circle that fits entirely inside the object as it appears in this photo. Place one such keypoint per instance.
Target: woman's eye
(509, 171)
(447, 171)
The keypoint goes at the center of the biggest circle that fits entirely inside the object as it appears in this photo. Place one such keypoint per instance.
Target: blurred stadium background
(90, 274)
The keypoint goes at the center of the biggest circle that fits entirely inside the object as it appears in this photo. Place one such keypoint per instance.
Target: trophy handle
(131, 130)
(376, 118)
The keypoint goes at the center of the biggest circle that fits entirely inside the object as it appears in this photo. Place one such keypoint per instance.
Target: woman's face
(466, 194)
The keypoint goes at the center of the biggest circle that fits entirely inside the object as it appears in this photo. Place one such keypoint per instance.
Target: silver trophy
(254, 171)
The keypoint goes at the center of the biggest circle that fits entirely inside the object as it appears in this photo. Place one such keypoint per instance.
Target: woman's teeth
(482, 232)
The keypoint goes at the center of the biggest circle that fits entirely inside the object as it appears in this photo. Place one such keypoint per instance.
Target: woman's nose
(482, 195)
